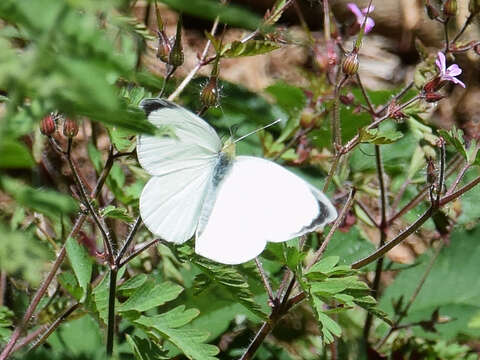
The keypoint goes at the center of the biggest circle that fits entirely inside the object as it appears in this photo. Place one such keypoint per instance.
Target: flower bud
(307, 118)
(176, 54)
(47, 125)
(474, 6)
(209, 95)
(164, 47)
(347, 99)
(70, 128)
(433, 97)
(432, 11)
(450, 8)
(350, 64)
(433, 85)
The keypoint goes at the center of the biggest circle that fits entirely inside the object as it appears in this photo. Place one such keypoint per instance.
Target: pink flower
(450, 73)
(361, 14)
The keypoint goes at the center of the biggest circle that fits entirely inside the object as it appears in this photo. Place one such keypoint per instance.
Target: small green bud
(450, 8)
(350, 64)
(209, 95)
(474, 6)
(176, 54)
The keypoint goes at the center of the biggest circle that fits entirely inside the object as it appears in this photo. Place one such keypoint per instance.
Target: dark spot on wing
(150, 105)
(323, 214)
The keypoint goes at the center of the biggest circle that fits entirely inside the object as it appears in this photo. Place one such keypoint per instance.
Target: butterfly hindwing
(259, 201)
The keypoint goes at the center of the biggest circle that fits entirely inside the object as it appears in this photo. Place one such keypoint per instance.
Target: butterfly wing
(185, 140)
(181, 160)
(259, 201)
(170, 205)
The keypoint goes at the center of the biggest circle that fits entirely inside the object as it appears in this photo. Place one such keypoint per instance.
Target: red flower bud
(347, 99)
(433, 97)
(350, 64)
(47, 125)
(70, 128)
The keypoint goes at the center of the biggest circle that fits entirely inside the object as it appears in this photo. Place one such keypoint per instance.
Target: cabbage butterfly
(233, 204)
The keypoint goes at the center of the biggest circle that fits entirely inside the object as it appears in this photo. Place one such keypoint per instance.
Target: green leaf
(14, 155)
(455, 138)
(151, 295)
(329, 328)
(171, 326)
(143, 349)
(49, 202)
(100, 296)
(121, 138)
(230, 279)
(377, 137)
(248, 48)
(129, 286)
(210, 9)
(289, 98)
(324, 266)
(113, 212)
(452, 286)
(69, 282)
(6, 316)
(81, 263)
(22, 254)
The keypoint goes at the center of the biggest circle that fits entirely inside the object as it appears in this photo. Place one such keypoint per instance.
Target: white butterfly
(233, 204)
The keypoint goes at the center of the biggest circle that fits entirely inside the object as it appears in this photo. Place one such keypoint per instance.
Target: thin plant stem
(396, 97)
(197, 67)
(50, 329)
(128, 241)
(29, 338)
(266, 282)
(53, 271)
(404, 313)
(383, 236)
(334, 227)
(464, 27)
(365, 95)
(336, 126)
(332, 171)
(111, 310)
(458, 179)
(367, 212)
(441, 180)
(137, 252)
(459, 192)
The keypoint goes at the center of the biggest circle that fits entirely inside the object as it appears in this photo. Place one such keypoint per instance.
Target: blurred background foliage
(89, 60)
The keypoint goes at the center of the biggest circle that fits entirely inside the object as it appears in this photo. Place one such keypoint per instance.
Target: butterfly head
(229, 148)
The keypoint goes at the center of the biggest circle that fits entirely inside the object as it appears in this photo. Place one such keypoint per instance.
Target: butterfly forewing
(183, 141)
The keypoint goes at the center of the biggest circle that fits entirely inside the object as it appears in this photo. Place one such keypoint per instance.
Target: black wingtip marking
(150, 105)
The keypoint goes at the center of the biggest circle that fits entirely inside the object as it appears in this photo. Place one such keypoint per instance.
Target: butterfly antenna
(257, 130)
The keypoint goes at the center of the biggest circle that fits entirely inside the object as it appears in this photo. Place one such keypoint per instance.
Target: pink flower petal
(440, 61)
(457, 81)
(453, 70)
(355, 10)
(369, 24)
(368, 10)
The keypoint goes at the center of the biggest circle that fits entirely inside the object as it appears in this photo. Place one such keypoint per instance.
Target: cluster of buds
(170, 51)
(444, 75)
(48, 126)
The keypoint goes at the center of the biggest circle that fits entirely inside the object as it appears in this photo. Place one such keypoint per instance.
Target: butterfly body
(233, 205)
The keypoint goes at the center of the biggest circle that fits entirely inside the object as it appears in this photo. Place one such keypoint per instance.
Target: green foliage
(113, 212)
(81, 263)
(210, 9)
(22, 254)
(452, 287)
(378, 137)
(172, 327)
(48, 202)
(248, 48)
(14, 155)
(144, 349)
(327, 282)
(5, 322)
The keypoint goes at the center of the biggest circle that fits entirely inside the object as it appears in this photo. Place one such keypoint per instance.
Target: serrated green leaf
(48, 202)
(171, 326)
(329, 328)
(150, 295)
(113, 212)
(143, 349)
(455, 137)
(378, 137)
(14, 155)
(248, 48)
(325, 265)
(6, 316)
(121, 138)
(231, 280)
(132, 284)
(81, 263)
